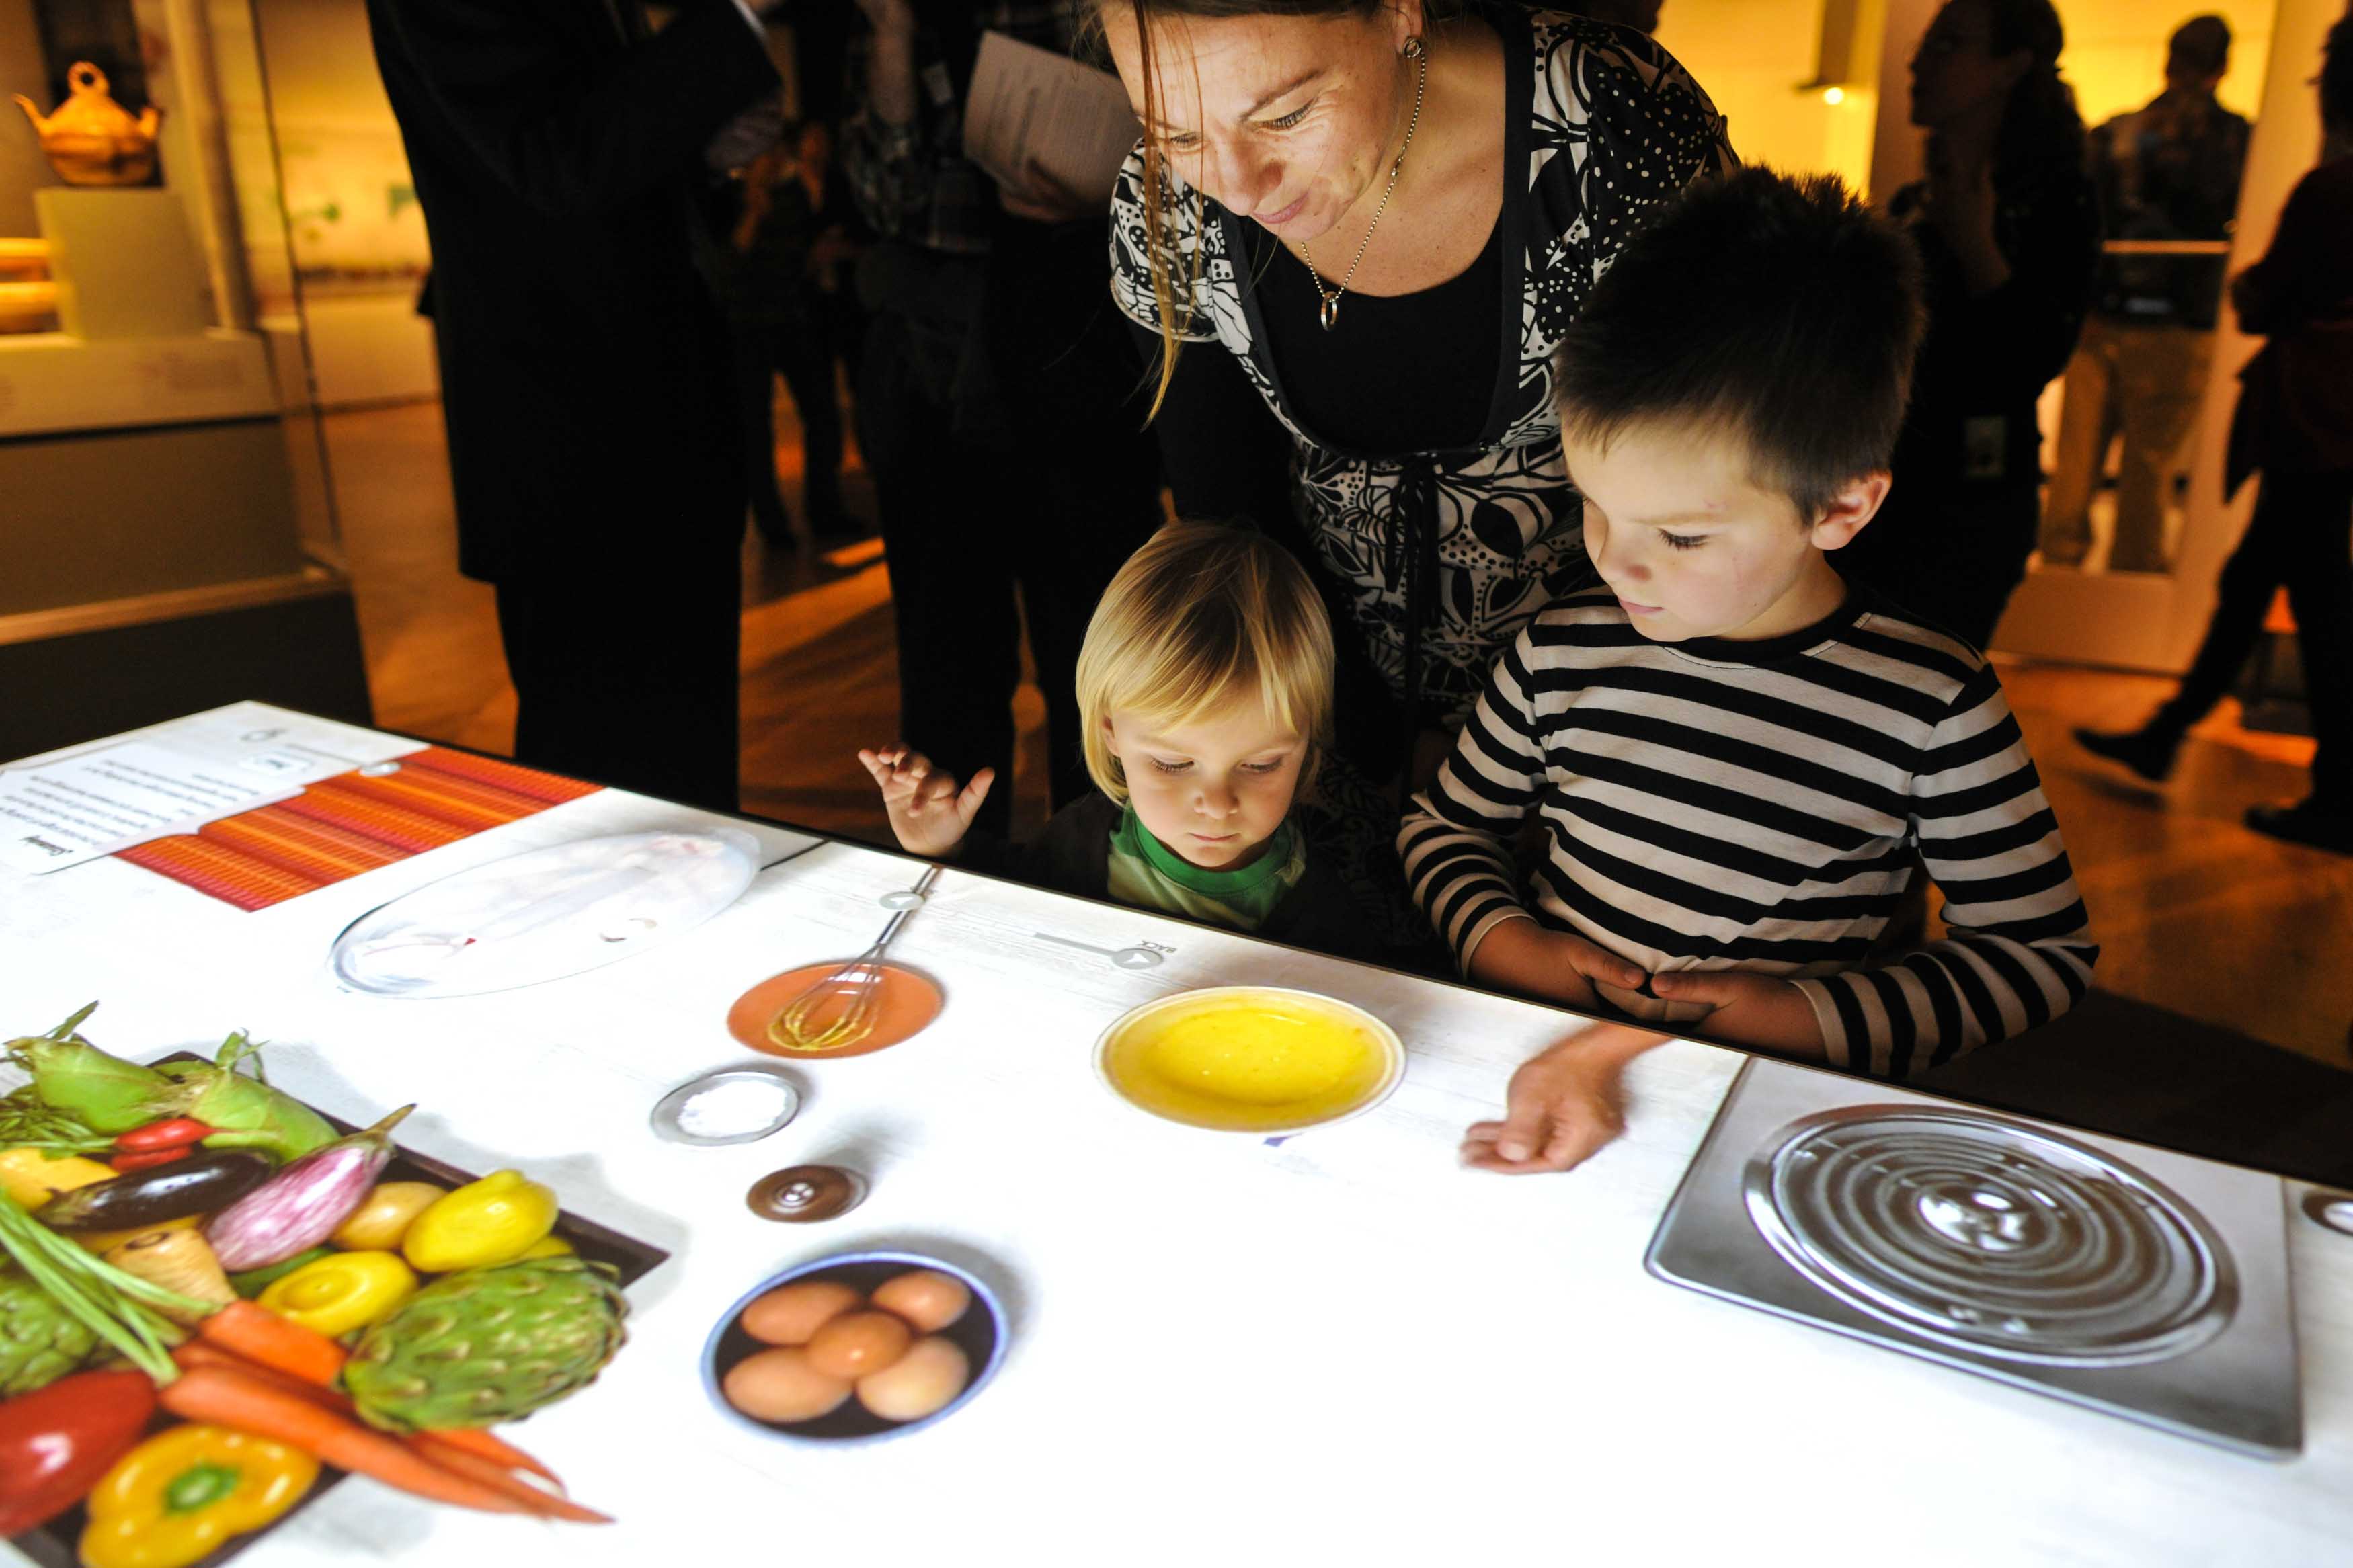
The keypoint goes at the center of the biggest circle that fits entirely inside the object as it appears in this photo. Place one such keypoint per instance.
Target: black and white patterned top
(1445, 554)
(1761, 806)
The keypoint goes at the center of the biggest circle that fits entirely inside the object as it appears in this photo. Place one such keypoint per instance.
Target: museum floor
(2196, 914)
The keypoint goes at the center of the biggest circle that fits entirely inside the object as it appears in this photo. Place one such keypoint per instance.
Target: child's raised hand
(1564, 1105)
(928, 812)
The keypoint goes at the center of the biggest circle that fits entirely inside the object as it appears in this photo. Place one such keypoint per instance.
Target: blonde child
(1205, 693)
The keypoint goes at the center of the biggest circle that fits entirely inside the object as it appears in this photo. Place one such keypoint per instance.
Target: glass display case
(170, 530)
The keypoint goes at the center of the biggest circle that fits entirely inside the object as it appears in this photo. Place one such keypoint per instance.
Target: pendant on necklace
(1331, 311)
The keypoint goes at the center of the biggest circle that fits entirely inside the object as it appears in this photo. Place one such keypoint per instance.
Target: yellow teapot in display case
(91, 140)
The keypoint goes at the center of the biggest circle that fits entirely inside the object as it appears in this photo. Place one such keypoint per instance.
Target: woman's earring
(1413, 49)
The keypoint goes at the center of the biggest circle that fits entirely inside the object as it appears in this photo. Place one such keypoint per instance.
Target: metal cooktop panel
(2149, 1284)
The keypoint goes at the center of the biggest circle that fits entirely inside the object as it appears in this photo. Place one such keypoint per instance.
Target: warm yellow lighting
(1833, 95)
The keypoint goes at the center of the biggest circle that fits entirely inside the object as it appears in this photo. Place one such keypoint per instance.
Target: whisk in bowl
(841, 1006)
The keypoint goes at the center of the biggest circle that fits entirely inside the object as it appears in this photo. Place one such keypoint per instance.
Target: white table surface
(1347, 1349)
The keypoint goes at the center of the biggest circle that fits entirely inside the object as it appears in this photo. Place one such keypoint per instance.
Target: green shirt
(1147, 874)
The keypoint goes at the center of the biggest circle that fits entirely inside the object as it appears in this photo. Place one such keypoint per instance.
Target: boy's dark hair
(1776, 308)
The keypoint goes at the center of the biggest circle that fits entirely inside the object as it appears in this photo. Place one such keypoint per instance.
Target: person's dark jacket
(2296, 399)
(1988, 356)
(554, 147)
(1074, 856)
(2164, 174)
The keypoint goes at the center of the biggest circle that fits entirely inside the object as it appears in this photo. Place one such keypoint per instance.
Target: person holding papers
(998, 404)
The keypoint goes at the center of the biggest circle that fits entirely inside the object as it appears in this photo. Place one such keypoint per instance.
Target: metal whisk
(859, 983)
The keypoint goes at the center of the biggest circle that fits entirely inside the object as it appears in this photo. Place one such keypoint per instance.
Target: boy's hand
(1531, 959)
(1564, 1104)
(1757, 1010)
(928, 812)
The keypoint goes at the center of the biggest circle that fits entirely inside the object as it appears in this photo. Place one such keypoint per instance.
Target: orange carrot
(258, 1334)
(196, 1353)
(499, 1478)
(478, 1442)
(482, 1442)
(248, 1403)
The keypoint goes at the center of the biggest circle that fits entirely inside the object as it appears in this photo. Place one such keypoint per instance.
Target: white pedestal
(51, 383)
(125, 264)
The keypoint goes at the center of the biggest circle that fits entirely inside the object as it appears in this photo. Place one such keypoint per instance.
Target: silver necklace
(1330, 314)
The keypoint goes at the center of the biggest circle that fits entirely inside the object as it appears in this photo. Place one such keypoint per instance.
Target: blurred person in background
(997, 399)
(2168, 172)
(777, 255)
(2294, 427)
(556, 150)
(2009, 232)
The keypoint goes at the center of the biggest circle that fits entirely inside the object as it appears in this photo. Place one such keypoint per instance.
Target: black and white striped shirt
(1754, 805)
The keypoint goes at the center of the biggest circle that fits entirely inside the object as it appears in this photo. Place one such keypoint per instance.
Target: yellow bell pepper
(483, 1223)
(177, 1496)
(344, 1291)
(547, 1247)
(31, 1178)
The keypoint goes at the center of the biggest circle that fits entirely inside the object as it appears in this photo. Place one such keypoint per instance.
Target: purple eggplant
(193, 1186)
(300, 1207)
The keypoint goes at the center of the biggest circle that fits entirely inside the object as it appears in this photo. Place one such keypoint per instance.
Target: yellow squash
(341, 1292)
(494, 1220)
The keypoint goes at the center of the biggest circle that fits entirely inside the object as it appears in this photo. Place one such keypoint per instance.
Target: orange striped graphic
(411, 831)
(225, 873)
(552, 788)
(459, 802)
(349, 823)
(289, 840)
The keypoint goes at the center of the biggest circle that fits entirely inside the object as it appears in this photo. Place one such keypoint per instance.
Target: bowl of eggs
(855, 1347)
(1256, 1060)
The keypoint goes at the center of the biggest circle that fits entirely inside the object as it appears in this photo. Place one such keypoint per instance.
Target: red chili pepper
(168, 1134)
(146, 1158)
(55, 1442)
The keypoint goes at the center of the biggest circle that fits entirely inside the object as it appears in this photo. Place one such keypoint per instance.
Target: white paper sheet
(1030, 105)
(66, 808)
(62, 814)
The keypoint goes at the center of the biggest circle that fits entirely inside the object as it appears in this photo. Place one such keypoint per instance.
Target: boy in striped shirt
(1735, 762)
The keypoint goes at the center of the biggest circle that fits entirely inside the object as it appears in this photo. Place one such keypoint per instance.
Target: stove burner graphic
(1991, 1237)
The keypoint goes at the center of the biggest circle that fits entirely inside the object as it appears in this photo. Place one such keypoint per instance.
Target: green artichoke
(487, 1345)
(39, 1340)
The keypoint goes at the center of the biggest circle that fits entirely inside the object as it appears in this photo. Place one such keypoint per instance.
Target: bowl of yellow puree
(1255, 1059)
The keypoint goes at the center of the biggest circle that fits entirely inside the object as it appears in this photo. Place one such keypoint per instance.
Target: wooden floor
(2194, 912)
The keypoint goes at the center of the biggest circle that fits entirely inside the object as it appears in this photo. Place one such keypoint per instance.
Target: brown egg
(932, 1373)
(929, 1299)
(857, 1343)
(780, 1386)
(790, 1315)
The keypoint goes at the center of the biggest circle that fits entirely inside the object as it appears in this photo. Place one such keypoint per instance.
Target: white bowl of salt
(735, 1105)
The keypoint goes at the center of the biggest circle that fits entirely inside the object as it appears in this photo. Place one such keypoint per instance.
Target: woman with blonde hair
(1349, 238)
